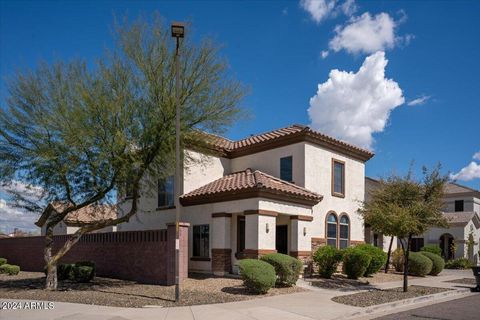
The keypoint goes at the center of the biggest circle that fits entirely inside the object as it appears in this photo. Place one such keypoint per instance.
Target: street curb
(406, 302)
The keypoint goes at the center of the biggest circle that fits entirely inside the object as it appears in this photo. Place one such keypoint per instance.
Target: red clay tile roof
(85, 215)
(249, 184)
(284, 136)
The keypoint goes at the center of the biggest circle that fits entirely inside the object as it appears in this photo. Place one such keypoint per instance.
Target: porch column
(301, 236)
(260, 229)
(221, 246)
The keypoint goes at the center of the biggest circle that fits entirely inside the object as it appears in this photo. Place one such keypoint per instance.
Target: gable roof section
(282, 137)
(456, 190)
(462, 218)
(250, 184)
(85, 215)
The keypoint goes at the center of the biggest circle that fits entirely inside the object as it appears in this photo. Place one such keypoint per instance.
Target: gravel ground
(377, 296)
(198, 289)
(464, 281)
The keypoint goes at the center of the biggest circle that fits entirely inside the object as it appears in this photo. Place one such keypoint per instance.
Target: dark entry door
(281, 241)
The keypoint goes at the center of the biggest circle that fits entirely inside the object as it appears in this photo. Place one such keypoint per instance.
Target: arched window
(344, 231)
(332, 223)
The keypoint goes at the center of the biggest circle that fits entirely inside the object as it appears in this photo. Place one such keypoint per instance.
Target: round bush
(433, 248)
(257, 275)
(327, 259)
(355, 262)
(83, 273)
(66, 271)
(87, 264)
(419, 265)
(287, 268)
(3, 261)
(379, 258)
(397, 259)
(9, 269)
(438, 263)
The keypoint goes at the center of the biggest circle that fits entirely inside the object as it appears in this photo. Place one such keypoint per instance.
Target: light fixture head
(178, 29)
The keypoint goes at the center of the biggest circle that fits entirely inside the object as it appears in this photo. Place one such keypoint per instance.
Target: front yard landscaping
(340, 281)
(377, 296)
(198, 289)
(471, 281)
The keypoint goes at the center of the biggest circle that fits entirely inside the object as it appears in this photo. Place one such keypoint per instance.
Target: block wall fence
(143, 256)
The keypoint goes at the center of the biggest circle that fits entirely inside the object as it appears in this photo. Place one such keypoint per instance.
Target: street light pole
(178, 30)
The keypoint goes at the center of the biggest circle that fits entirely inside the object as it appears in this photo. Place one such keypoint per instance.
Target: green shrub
(379, 258)
(257, 275)
(433, 248)
(66, 271)
(83, 273)
(397, 259)
(286, 267)
(327, 259)
(87, 264)
(419, 265)
(460, 263)
(9, 269)
(355, 262)
(438, 263)
(3, 261)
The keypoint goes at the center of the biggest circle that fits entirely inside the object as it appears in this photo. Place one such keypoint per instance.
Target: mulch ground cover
(197, 289)
(379, 296)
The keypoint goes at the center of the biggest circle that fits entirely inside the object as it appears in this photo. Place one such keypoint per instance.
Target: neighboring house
(462, 211)
(73, 220)
(288, 190)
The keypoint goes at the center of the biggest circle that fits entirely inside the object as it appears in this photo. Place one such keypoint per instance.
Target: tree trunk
(406, 253)
(389, 254)
(51, 281)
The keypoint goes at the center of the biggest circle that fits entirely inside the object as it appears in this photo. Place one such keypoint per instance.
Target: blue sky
(275, 47)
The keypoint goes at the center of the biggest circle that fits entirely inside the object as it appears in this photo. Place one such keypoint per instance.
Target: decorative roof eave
(248, 194)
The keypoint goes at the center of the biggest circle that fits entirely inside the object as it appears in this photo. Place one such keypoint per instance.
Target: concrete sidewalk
(314, 304)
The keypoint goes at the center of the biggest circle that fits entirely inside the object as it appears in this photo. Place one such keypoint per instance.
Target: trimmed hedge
(327, 259)
(379, 258)
(83, 271)
(397, 259)
(3, 261)
(65, 271)
(438, 263)
(9, 269)
(355, 262)
(433, 248)
(257, 275)
(287, 268)
(460, 263)
(419, 265)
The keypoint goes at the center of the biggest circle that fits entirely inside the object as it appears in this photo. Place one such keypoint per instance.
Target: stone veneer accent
(222, 260)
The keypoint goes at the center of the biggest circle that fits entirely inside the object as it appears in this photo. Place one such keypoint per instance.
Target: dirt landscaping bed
(377, 296)
(198, 289)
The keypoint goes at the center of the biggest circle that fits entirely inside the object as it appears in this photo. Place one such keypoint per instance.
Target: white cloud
(11, 217)
(353, 106)
(470, 172)
(322, 9)
(324, 54)
(367, 34)
(418, 101)
(30, 192)
(476, 156)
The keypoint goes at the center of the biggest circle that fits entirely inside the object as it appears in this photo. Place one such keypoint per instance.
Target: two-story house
(288, 190)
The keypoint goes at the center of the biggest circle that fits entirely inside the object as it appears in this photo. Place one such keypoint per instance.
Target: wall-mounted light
(304, 231)
(267, 228)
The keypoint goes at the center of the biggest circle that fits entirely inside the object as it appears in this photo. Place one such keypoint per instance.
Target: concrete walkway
(314, 304)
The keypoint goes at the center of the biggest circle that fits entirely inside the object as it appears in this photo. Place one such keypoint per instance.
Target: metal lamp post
(178, 31)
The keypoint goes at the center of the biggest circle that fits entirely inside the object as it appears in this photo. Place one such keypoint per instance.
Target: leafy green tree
(403, 207)
(80, 134)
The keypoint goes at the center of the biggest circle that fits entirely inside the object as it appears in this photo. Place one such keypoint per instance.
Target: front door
(281, 241)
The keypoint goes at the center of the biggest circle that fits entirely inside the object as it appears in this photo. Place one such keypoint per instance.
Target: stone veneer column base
(221, 261)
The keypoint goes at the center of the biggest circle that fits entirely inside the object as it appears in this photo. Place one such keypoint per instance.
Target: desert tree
(82, 133)
(404, 207)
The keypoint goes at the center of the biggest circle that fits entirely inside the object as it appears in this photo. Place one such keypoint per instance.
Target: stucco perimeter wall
(318, 178)
(269, 162)
(144, 256)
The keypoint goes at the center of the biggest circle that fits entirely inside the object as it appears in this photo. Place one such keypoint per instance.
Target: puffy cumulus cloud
(366, 34)
(470, 172)
(352, 106)
(320, 10)
(418, 101)
(12, 217)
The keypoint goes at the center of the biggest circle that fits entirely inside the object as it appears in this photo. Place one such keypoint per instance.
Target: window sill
(338, 195)
(165, 208)
(200, 259)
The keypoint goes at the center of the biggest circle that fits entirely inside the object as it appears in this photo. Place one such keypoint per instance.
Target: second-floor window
(166, 192)
(458, 205)
(286, 168)
(338, 178)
